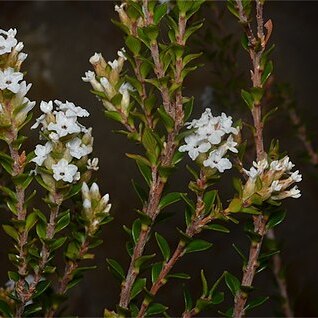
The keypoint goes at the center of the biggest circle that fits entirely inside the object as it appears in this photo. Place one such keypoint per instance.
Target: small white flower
(38, 121)
(92, 164)
(261, 165)
(71, 110)
(296, 176)
(78, 149)
(41, 153)
(295, 192)
(275, 186)
(46, 107)
(19, 47)
(194, 146)
(90, 77)
(226, 124)
(121, 53)
(9, 79)
(230, 144)
(96, 58)
(114, 64)
(65, 171)
(214, 161)
(64, 125)
(252, 173)
(6, 44)
(22, 57)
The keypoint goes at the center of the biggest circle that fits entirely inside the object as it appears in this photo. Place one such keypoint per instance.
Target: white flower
(121, 53)
(275, 186)
(252, 173)
(38, 121)
(261, 165)
(42, 153)
(215, 161)
(95, 59)
(9, 79)
(226, 124)
(91, 78)
(78, 149)
(114, 64)
(194, 146)
(92, 164)
(71, 110)
(230, 144)
(125, 87)
(6, 44)
(46, 107)
(296, 176)
(22, 57)
(65, 171)
(295, 192)
(64, 125)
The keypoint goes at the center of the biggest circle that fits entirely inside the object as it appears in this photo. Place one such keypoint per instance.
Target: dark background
(61, 36)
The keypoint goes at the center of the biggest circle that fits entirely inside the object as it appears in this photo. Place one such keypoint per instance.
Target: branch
(174, 109)
(259, 221)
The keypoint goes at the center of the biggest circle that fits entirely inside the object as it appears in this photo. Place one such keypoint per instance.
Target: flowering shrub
(142, 90)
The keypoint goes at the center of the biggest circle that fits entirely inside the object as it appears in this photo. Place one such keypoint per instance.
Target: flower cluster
(95, 207)
(14, 105)
(272, 180)
(64, 155)
(107, 84)
(208, 142)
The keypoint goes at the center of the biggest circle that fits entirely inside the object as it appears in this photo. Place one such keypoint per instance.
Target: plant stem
(197, 223)
(68, 274)
(175, 110)
(45, 255)
(259, 221)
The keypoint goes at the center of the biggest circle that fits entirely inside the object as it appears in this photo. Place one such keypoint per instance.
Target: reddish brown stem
(256, 74)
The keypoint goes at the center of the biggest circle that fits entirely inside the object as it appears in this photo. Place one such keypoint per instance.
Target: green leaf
(248, 98)
(256, 302)
(41, 230)
(14, 276)
(11, 231)
(240, 253)
(164, 246)
(5, 309)
(204, 284)
(187, 108)
(166, 118)
(267, 72)
(138, 286)
(232, 283)
(155, 271)
(135, 230)
(275, 219)
(57, 243)
(63, 222)
(159, 12)
(197, 245)
(187, 299)
(116, 268)
(41, 288)
(31, 220)
(179, 276)
(133, 44)
(145, 171)
(235, 205)
(217, 227)
(142, 259)
(113, 115)
(208, 199)
(169, 199)
(142, 194)
(155, 309)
